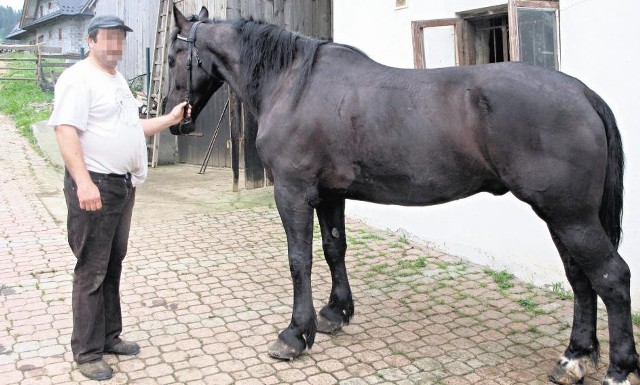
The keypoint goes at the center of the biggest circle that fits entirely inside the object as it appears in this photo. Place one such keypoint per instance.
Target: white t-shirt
(103, 110)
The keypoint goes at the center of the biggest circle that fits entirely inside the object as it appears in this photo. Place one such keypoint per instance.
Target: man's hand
(89, 196)
(177, 113)
(155, 125)
(71, 151)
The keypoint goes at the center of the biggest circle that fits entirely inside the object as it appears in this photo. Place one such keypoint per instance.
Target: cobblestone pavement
(206, 288)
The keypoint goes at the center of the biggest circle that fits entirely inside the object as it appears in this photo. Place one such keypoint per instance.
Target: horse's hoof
(282, 351)
(328, 327)
(569, 372)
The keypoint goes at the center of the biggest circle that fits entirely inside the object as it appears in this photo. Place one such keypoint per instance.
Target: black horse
(334, 125)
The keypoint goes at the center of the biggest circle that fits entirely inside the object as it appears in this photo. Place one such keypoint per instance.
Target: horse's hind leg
(583, 350)
(339, 310)
(588, 245)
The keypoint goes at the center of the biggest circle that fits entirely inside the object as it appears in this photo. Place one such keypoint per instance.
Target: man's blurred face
(108, 46)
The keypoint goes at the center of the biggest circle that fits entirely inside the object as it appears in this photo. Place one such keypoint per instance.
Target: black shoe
(96, 370)
(123, 348)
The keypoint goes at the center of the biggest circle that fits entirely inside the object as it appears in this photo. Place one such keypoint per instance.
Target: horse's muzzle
(186, 126)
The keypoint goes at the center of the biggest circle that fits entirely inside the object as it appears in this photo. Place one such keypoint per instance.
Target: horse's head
(192, 74)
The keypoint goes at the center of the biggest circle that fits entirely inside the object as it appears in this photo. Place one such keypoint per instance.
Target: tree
(8, 19)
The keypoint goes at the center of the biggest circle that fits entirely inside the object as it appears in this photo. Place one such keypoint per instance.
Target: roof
(73, 7)
(15, 32)
(67, 8)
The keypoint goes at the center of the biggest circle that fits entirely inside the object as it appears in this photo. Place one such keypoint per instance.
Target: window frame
(417, 32)
(461, 38)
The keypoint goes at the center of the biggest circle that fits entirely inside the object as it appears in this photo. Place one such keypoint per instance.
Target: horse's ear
(180, 19)
(204, 14)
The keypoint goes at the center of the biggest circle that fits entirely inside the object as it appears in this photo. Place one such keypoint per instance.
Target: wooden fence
(46, 64)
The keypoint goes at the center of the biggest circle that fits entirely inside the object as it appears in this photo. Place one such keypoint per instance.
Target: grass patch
(371, 236)
(534, 329)
(528, 304)
(413, 265)
(635, 319)
(502, 278)
(558, 290)
(24, 101)
(379, 268)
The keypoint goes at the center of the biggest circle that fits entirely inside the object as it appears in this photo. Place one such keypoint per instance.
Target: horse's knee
(334, 248)
(612, 281)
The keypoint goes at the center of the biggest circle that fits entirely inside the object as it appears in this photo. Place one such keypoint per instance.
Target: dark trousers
(99, 241)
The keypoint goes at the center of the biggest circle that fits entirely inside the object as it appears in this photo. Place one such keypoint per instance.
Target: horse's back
(419, 137)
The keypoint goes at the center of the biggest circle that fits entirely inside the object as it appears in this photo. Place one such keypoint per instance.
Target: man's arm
(154, 125)
(69, 143)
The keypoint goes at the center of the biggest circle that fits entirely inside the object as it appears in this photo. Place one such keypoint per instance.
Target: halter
(185, 124)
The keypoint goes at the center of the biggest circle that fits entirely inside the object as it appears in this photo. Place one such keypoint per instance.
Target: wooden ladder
(157, 85)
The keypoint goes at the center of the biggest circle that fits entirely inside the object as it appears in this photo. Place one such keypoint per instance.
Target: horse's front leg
(339, 310)
(296, 213)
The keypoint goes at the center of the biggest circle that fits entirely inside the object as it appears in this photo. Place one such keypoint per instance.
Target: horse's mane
(267, 50)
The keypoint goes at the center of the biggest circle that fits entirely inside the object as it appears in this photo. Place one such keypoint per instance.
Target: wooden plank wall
(141, 16)
(216, 8)
(308, 17)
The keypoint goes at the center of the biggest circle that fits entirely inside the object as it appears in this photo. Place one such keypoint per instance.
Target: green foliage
(24, 101)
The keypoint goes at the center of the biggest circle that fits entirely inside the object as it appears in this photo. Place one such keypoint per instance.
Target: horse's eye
(172, 62)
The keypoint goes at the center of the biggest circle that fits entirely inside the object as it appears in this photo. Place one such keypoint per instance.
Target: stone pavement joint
(206, 289)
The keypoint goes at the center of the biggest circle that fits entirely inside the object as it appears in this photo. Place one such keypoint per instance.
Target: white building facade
(592, 40)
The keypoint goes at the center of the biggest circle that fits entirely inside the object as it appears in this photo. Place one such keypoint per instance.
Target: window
(59, 33)
(50, 34)
(537, 36)
(438, 37)
(519, 30)
(41, 11)
(485, 36)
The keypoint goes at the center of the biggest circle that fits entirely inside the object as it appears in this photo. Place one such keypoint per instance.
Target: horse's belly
(401, 190)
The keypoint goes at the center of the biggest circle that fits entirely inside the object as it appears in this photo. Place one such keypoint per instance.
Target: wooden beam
(17, 69)
(34, 79)
(30, 47)
(8, 59)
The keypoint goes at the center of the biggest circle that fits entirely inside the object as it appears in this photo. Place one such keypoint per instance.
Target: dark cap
(107, 22)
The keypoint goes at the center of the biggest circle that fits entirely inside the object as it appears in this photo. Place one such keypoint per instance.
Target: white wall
(597, 46)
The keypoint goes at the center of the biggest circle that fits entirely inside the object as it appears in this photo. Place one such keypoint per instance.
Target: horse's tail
(611, 205)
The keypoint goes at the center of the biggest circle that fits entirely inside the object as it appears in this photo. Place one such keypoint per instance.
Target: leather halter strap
(185, 125)
(192, 42)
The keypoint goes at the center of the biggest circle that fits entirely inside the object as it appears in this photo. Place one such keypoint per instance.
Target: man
(102, 142)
